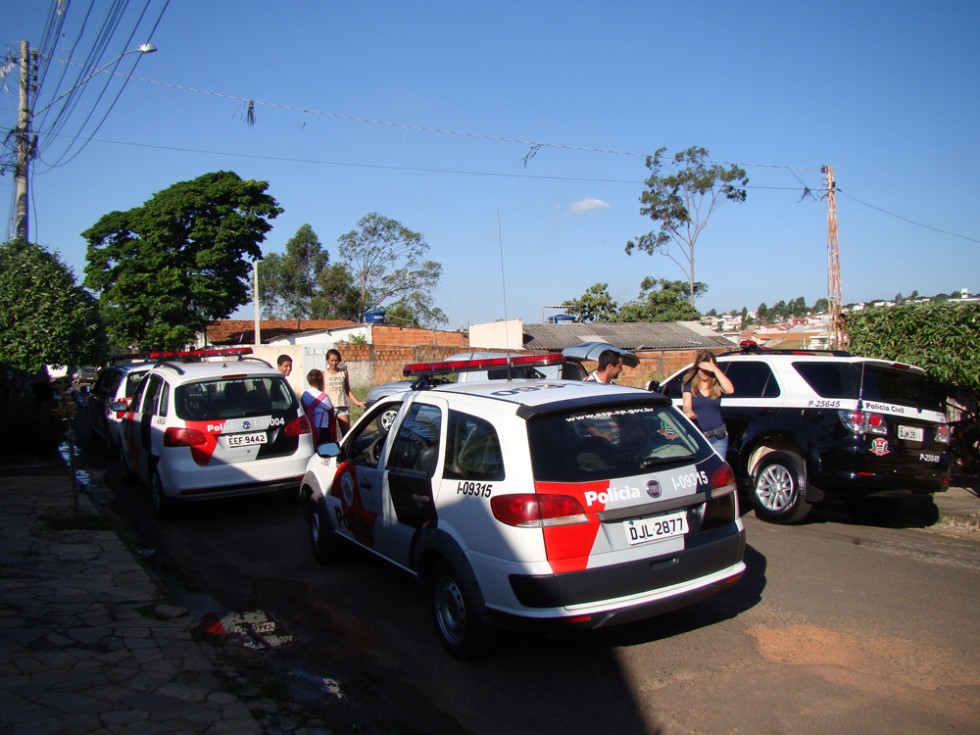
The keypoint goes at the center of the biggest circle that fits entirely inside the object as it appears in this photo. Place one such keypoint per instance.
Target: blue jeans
(719, 444)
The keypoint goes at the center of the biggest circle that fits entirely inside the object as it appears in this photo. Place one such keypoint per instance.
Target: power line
(905, 219)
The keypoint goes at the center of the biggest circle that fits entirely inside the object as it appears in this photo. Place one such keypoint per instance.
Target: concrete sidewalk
(87, 643)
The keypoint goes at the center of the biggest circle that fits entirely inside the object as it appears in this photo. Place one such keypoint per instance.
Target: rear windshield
(211, 400)
(602, 445)
(881, 383)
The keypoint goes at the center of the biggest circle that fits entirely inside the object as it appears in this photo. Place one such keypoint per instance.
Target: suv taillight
(942, 433)
(864, 422)
(531, 510)
(297, 426)
(181, 437)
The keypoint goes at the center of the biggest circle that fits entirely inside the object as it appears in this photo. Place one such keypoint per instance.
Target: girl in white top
(337, 385)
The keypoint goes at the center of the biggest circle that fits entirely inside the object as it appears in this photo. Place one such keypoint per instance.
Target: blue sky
(427, 112)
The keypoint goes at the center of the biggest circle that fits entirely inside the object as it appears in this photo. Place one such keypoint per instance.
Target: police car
(197, 429)
(530, 503)
(810, 427)
(115, 383)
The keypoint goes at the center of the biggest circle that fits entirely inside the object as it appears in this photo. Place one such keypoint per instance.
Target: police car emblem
(347, 488)
(879, 447)
(667, 431)
(654, 490)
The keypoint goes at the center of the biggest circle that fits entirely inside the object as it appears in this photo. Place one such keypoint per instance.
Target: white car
(531, 502)
(198, 429)
(115, 383)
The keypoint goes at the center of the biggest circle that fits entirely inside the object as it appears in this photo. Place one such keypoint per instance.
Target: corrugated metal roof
(633, 336)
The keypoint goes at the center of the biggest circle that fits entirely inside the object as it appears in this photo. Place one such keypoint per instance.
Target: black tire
(323, 542)
(164, 508)
(456, 614)
(778, 488)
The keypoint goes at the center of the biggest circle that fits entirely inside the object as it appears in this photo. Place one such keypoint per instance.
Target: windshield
(212, 400)
(881, 383)
(585, 446)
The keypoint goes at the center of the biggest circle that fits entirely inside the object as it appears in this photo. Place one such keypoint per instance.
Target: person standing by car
(703, 388)
(610, 366)
(337, 386)
(319, 409)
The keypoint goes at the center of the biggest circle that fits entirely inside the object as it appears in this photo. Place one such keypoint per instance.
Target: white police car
(115, 383)
(197, 429)
(531, 502)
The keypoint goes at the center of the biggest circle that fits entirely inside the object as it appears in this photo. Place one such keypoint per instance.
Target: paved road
(837, 627)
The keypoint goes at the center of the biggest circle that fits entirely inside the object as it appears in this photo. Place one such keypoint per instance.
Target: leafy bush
(941, 336)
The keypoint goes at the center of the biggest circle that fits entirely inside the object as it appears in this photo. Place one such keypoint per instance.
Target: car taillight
(722, 476)
(863, 422)
(942, 433)
(178, 437)
(297, 426)
(531, 510)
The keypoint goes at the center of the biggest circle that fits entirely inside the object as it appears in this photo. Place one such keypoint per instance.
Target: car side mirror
(327, 450)
(654, 386)
(121, 406)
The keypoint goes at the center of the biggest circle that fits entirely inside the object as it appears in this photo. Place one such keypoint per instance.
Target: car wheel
(322, 540)
(455, 613)
(388, 418)
(778, 488)
(164, 508)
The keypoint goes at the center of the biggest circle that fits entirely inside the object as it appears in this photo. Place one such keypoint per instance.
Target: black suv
(809, 427)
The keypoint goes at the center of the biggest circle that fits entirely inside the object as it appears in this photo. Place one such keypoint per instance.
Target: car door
(411, 463)
(755, 404)
(356, 493)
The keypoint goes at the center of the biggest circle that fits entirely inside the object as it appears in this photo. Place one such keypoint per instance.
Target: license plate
(912, 433)
(644, 530)
(247, 440)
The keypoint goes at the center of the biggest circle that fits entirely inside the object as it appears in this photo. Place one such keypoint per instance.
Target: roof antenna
(503, 287)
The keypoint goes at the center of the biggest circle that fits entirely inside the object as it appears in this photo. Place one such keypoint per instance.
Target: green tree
(661, 300)
(415, 310)
(762, 314)
(595, 305)
(288, 281)
(335, 295)
(682, 201)
(385, 261)
(821, 306)
(167, 268)
(941, 336)
(45, 318)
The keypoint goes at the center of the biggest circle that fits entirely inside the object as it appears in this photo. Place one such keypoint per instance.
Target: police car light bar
(461, 366)
(184, 354)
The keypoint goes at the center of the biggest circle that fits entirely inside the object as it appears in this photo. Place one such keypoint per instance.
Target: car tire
(323, 542)
(164, 508)
(778, 488)
(455, 614)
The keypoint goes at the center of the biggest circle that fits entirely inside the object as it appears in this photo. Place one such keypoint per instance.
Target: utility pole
(834, 295)
(24, 146)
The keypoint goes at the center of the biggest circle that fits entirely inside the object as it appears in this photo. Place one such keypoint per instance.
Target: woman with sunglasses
(703, 388)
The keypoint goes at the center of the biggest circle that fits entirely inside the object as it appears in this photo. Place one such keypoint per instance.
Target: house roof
(242, 331)
(633, 336)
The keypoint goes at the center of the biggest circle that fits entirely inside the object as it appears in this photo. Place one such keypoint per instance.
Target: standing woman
(703, 388)
(319, 409)
(337, 384)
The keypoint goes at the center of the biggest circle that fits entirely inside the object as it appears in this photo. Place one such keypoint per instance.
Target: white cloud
(585, 206)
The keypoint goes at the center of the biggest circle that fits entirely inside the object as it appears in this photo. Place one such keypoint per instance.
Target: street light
(26, 116)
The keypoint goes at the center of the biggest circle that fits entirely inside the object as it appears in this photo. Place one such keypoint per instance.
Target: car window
(673, 388)
(751, 379)
(151, 394)
(365, 444)
(132, 380)
(416, 445)
(216, 399)
(587, 445)
(472, 449)
(880, 383)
